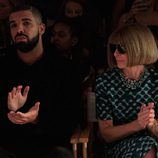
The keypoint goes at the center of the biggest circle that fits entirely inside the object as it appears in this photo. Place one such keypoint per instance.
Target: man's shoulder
(6, 56)
(7, 51)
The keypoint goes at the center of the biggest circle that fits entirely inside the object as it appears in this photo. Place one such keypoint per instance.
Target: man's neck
(32, 56)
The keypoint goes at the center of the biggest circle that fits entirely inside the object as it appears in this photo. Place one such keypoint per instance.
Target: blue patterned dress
(119, 99)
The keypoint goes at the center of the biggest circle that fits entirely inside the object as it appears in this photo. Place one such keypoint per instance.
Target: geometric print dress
(120, 99)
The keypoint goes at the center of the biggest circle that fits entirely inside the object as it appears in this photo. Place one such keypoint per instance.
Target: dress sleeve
(103, 106)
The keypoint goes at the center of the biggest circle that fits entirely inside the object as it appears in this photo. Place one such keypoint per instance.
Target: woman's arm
(111, 133)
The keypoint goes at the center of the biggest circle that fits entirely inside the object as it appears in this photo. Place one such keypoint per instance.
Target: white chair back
(91, 107)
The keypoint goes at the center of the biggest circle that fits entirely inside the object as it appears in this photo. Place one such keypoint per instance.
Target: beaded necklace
(131, 83)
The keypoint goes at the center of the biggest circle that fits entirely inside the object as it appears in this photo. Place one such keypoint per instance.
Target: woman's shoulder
(153, 70)
(109, 72)
(108, 75)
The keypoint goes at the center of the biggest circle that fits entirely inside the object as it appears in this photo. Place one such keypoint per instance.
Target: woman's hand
(146, 116)
(16, 99)
(151, 117)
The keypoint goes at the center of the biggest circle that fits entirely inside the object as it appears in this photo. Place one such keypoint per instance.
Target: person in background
(65, 42)
(73, 8)
(144, 11)
(40, 113)
(65, 38)
(89, 24)
(126, 94)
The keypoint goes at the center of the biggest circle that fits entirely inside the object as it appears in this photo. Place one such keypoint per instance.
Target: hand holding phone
(140, 6)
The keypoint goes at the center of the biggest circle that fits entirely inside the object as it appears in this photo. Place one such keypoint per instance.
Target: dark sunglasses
(120, 48)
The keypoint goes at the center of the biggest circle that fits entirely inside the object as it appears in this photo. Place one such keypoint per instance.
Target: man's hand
(16, 99)
(23, 118)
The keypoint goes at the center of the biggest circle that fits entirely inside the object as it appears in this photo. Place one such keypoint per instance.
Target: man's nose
(20, 28)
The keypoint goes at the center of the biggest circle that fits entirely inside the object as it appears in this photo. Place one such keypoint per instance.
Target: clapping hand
(151, 116)
(23, 118)
(16, 99)
(146, 116)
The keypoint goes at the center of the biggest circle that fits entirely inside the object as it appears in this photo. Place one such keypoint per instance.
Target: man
(41, 116)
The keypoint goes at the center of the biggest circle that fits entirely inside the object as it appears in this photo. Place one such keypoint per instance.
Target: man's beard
(26, 47)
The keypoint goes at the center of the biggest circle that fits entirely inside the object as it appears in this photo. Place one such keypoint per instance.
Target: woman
(126, 95)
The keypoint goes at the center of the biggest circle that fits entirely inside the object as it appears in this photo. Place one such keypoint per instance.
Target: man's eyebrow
(24, 19)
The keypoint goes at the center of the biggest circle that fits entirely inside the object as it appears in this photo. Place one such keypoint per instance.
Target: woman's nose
(116, 53)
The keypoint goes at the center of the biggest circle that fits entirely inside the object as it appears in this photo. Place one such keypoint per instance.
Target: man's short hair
(35, 12)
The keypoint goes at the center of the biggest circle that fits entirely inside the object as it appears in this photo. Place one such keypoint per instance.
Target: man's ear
(42, 28)
(74, 41)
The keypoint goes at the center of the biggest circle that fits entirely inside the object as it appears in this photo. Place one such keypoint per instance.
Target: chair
(74, 141)
(85, 136)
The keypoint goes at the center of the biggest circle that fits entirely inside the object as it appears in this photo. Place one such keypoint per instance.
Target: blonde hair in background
(139, 43)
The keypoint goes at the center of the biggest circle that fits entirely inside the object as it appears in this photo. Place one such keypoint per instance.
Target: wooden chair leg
(74, 150)
(84, 149)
